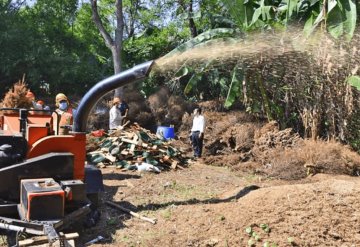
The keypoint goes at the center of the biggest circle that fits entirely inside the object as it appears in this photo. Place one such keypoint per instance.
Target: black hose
(89, 100)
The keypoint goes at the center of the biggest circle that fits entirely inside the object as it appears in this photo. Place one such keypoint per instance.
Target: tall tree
(115, 43)
(188, 9)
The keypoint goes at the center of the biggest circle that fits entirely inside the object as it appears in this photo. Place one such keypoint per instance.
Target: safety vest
(66, 117)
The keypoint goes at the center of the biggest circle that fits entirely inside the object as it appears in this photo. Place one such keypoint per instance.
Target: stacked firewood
(133, 148)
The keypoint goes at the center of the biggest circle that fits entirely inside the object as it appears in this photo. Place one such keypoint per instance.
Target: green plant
(256, 236)
(111, 221)
(265, 227)
(291, 240)
(249, 230)
(167, 214)
(251, 242)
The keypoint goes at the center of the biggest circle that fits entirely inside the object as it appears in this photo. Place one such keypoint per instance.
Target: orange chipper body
(42, 137)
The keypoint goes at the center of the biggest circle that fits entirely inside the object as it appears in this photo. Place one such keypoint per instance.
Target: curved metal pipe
(89, 100)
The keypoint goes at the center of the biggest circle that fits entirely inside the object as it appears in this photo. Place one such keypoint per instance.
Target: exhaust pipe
(89, 100)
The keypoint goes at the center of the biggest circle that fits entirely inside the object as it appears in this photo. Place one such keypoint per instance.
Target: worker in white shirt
(197, 132)
(115, 117)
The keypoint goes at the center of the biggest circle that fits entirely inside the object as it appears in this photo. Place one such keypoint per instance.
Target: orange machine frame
(42, 138)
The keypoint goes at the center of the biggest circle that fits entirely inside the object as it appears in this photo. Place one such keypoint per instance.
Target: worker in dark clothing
(123, 106)
(124, 109)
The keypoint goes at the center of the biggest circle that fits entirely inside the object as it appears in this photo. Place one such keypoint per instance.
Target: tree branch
(95, 15)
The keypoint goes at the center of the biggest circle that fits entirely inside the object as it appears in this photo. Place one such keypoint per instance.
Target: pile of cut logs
(133, 148)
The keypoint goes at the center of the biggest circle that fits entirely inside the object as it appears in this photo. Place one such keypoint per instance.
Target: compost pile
(241, 142)
(133, 148)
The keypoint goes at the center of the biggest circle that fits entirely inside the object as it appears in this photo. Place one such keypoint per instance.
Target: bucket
(166, 132)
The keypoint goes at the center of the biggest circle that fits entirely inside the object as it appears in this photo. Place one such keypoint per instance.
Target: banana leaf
(354, 81)
(208, 35)
(235, 88)
(183, 71)
(349, 21)
(192, 83)
(196, 78)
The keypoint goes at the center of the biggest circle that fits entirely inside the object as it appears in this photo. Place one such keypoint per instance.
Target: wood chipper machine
(45, 184)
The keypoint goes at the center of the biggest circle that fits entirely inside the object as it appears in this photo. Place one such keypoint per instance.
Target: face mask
(63, 106)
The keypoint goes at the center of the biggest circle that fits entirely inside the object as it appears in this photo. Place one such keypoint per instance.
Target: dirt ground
(212, 206)
(256, 185)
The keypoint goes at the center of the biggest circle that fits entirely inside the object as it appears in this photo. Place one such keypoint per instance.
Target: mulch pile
(243, 143)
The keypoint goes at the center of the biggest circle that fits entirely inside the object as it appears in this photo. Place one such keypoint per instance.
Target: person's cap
(60, 97)
(116, 100)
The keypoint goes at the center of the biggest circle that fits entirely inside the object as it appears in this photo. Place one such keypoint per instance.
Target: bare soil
(212, 206)
(290, 191)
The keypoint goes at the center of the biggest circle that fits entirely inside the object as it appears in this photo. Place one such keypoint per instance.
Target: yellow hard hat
(59, 97)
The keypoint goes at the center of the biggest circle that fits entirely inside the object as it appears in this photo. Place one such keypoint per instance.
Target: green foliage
(349, 22)
(202, 38)
(339, 15)
(341, 18)
(48, 49)
(353, 132)
(241, 11)
(265, 227)
(291, 240)
(255, 238)
(249, 230)
(235, 87)
(354, 81)
(196, 78)
(150, 44)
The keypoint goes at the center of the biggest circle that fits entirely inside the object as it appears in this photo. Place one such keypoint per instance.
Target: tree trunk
(189, 10)
(114, 44)
(116, 55)
(192, 25)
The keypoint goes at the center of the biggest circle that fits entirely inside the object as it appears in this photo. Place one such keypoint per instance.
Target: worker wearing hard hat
(65, 113)
(115, 117)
